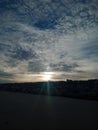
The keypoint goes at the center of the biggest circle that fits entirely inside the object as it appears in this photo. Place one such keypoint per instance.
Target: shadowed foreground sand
(26, 111)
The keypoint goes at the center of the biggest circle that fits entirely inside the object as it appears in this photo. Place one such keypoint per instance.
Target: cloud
(5, 74)
(52, 35)
(90, 50)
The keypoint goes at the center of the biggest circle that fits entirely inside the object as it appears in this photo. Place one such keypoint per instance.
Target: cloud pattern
(49, 35)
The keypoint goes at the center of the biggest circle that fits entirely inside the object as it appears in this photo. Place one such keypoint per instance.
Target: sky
(42, 39)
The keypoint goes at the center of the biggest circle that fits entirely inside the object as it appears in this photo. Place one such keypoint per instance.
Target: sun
(47, 76)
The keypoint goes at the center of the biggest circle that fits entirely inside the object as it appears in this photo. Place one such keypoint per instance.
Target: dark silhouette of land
(87, 89)
(22, 111)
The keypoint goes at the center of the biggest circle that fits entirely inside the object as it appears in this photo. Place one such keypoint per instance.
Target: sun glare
(47, 76)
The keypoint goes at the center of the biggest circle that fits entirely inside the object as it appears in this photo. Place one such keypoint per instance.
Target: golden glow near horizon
(47, 76)
(43, 76)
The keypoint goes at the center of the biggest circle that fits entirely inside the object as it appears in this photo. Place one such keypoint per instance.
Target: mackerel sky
(55, 36)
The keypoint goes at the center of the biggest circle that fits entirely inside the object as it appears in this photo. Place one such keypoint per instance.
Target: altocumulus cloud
(48, 35)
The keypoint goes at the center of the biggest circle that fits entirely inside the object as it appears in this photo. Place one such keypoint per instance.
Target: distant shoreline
(87, 89)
